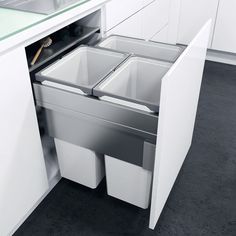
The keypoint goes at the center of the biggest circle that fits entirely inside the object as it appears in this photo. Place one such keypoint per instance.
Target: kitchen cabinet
(154, 17)
(23, 178)
(193, 14)
(83, 120)
(225, 33)
(174, 136)
(117, 11)
(146, 2)
(144, 23)
(161, 36)
(130, 27)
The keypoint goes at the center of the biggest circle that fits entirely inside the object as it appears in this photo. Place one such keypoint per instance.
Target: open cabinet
(86, 30)
(104, 98)
(177, 118)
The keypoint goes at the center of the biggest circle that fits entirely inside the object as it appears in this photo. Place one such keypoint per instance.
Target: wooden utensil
(44, 44)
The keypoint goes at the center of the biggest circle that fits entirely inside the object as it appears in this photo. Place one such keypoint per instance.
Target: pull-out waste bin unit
(133, 85)
(137, 107)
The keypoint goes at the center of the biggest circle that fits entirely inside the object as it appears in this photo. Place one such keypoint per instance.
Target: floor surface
(202, 202)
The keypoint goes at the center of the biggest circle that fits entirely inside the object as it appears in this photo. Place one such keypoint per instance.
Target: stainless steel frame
(104, 127)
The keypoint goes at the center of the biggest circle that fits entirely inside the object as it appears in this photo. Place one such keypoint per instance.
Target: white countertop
(18, 27)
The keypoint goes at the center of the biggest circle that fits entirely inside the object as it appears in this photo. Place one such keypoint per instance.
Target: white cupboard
(193, 14)
(23, 178)
(161, 36)
(225, 32)
(130, 27)
(154, 17)
(117, 11)
(145, 23)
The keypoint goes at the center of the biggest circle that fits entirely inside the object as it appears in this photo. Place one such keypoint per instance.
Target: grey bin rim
(180, 47)
(97, 92)
(87, 89)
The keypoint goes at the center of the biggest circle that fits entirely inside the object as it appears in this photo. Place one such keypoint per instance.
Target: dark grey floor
(202, 202)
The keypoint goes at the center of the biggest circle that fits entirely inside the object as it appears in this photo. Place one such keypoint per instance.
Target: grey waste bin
(137, 81)
(82, 69)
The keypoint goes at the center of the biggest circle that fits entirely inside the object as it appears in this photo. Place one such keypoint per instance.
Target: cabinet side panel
(179, 99)
(23, 178)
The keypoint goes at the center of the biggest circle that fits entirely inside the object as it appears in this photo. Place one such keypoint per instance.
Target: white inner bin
(139, 79)
(128, 182)
(140, 47)
(63, 87)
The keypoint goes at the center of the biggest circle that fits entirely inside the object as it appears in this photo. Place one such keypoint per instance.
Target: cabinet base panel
(53, 182)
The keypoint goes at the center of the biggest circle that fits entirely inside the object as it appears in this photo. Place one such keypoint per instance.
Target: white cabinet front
(161, 36)
(125, 110)
(193, 14)
(154, 18)
(117, 11)
(130, 27)
(225, 32)
(144, 24)
(23, 178)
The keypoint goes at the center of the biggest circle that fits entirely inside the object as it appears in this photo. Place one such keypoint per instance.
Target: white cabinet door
(161, 36)
(181, 85)
(117, 11)
(193, 14)
(146, 2)
(173, 23)
(23, 178)
(154, 17)
(225, 31)
(145, 23)
(130, 27)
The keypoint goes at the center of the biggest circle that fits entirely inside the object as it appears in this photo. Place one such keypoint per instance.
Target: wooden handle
(36, 56)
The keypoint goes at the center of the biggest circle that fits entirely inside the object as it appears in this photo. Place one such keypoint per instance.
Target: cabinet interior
(85, 31)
